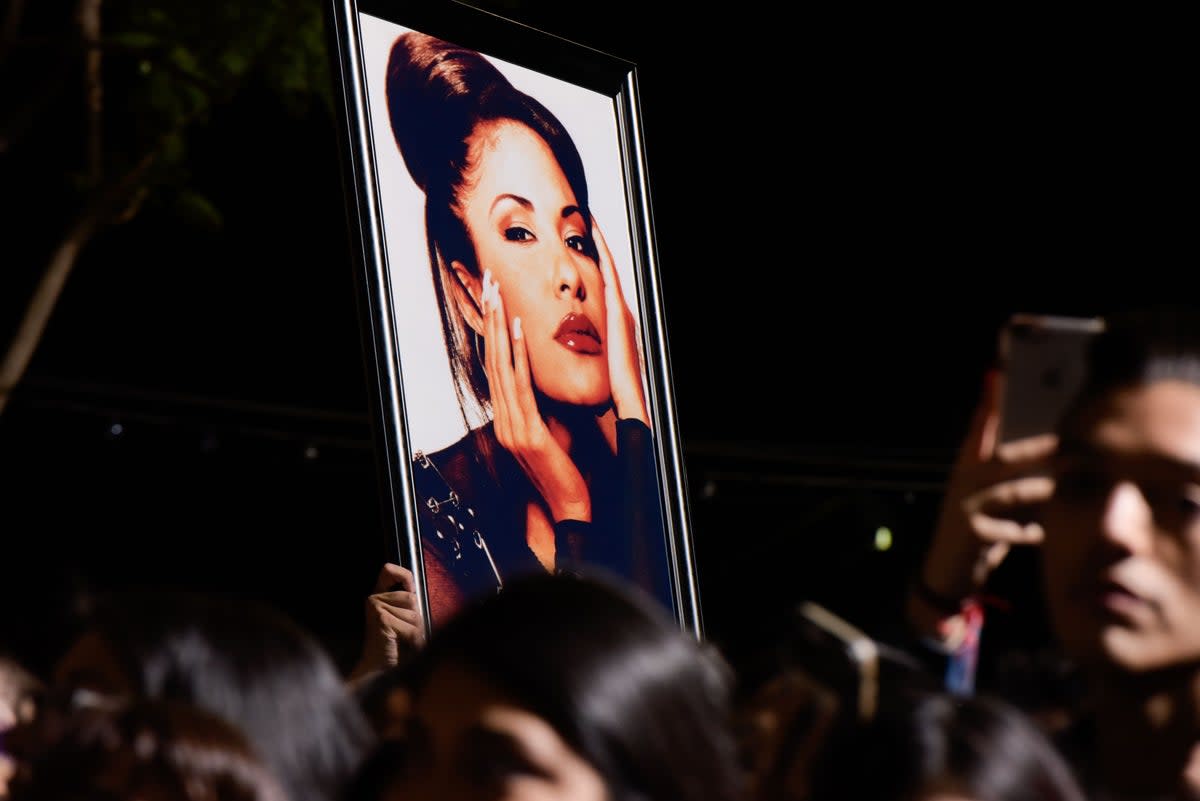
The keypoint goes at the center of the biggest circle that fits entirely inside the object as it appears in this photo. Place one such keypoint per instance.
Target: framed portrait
(499, 207)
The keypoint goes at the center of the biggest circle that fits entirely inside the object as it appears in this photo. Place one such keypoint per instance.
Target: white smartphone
(1044, 359)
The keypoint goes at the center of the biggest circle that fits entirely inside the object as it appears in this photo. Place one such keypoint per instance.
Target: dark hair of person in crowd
(240, 659)
(642, 705)
(149, 750)
(1141, 346)
(925, 744)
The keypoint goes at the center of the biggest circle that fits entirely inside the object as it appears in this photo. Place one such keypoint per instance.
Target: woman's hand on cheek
(519, 426)
(624, 367)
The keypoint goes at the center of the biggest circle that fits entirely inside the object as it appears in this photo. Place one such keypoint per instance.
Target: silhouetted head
(931, 745)
(240, 660)
(574, 686)
(149, 751)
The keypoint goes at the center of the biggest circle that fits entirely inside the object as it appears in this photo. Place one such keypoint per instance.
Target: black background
(846, 207)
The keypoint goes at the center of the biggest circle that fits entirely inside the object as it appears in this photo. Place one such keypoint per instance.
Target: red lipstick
(577, 333)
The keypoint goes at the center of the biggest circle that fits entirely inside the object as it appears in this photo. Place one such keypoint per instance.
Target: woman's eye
(577, 243)
(1173, 508)
(1190, 506)
(516, 233)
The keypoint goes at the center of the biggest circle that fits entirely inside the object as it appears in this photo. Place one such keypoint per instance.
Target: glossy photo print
(524, 407)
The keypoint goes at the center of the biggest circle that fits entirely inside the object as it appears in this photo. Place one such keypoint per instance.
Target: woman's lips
(577, 333)
(1116, 598)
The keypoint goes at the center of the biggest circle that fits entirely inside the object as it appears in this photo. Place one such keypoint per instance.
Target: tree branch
(88, 19)
(108, 201)
(105, 203)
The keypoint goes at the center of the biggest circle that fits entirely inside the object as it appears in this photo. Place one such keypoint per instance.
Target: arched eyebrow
(524, 203)
(1081, 451)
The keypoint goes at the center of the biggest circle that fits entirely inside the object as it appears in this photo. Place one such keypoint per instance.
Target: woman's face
(1122, 546)
(467, 742)
(530, 233)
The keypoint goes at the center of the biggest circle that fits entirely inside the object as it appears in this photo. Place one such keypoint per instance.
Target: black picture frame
(385, 229)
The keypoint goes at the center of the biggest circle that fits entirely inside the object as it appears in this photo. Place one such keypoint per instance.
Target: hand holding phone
(999, 480)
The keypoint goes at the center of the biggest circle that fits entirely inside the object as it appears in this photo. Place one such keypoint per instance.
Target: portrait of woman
(532, 442)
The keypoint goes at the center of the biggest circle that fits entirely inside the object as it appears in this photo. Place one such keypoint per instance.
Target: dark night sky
(846, 206)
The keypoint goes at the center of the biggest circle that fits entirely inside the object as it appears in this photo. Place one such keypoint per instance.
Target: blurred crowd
(574, 687)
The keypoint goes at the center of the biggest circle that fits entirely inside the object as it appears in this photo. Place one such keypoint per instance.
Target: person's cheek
(1183, 612)
(1191, 556)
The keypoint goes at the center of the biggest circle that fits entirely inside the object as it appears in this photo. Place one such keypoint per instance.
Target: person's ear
(468, 295)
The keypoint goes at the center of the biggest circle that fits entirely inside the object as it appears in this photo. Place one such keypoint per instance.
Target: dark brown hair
(154, 750)
(646, 704)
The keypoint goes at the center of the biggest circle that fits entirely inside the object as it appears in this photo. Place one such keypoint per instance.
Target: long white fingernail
(516, 328)
(487, 288)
